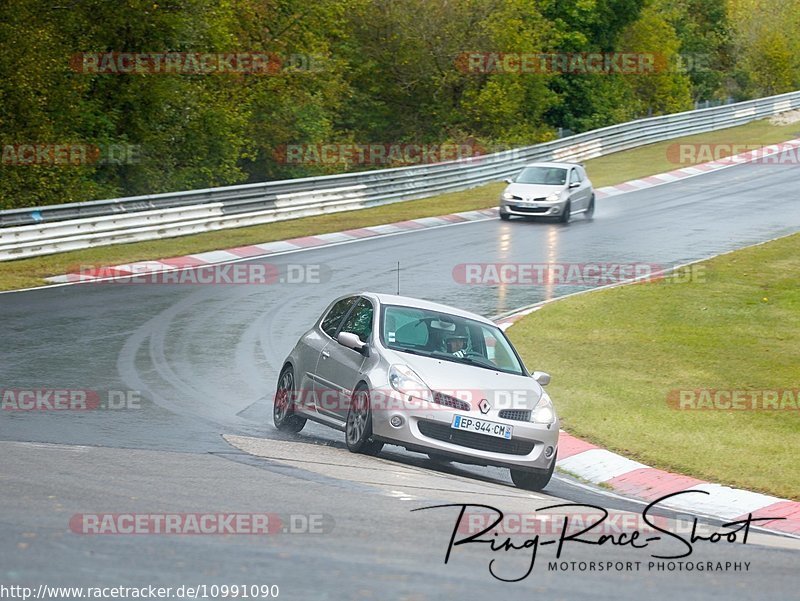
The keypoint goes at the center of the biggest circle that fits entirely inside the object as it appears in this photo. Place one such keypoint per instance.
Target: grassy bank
(619, 358)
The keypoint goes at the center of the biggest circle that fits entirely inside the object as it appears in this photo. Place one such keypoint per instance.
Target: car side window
(574, 177)
(335, 316)
(359, 321)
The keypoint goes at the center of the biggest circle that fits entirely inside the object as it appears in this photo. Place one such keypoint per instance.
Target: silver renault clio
(424, 376)
(559, 190)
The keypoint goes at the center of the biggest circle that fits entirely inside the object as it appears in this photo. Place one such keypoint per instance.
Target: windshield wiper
(464, 359)
(412, 351)
(482, 362)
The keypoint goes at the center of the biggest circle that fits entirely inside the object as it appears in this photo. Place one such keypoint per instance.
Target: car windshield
(449, 337)
(548, 176)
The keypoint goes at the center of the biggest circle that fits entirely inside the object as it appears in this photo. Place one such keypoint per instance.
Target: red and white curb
(786, 150)
(633, 479)
(241, 253)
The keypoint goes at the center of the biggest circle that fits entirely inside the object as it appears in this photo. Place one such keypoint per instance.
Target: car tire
(282, 409)
(358, 427)
(590, 209)
(566, 214)
(529, 480)
(504, 216)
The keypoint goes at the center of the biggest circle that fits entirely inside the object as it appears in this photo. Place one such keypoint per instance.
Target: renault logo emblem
(484, 406)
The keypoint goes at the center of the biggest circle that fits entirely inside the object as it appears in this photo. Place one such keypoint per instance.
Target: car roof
(407, 301)
(562, 165)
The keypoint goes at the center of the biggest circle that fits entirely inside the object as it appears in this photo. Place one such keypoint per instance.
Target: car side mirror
(543, 378)
(352, 341)
(574, 185)
(508, 180)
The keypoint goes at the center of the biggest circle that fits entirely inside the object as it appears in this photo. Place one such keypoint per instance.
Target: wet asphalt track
(205, 360)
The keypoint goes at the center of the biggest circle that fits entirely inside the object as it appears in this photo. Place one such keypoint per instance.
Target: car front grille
(519, 415)
(473, 440)
(449, 401)
(529, 209)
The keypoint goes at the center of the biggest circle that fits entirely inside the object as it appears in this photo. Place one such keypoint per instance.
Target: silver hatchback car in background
(424, 376)
(548, 190)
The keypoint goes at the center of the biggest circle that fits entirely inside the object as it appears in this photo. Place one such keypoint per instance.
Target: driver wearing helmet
(456, 345)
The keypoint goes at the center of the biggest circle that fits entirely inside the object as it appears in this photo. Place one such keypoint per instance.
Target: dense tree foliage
(348, 72)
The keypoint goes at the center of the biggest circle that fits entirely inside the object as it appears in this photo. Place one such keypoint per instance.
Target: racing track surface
(205, 359)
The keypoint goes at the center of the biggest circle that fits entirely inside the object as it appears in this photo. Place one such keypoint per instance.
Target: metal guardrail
(50, 229)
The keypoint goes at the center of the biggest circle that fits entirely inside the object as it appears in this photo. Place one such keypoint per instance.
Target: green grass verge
(616, 354)
(652, 159)
(24, 273)
(613, 169)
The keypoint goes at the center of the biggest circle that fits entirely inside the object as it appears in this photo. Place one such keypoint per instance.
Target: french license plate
(481, 426)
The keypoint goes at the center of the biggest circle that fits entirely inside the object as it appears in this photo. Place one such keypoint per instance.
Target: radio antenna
(398, 278)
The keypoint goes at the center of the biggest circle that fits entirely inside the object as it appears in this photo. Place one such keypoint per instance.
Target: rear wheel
(529, 480)
(283, 408)
(358, 428)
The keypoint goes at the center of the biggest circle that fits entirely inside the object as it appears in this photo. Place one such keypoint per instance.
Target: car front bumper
(426, 427)
(534, 209)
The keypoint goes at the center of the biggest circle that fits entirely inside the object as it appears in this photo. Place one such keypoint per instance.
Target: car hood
(526, 191)
(503, 390)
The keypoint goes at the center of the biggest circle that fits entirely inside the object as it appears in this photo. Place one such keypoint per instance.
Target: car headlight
(404, 380)
(554, 197)
(544, 413)
(507, 196)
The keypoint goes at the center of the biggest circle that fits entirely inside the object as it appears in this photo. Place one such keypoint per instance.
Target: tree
(666, 89)
(765, 36)
(588, 101)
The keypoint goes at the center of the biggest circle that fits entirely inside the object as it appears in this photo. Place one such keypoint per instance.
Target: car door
(339, 366)
(576, 194)
(585, 188)
(586, 184)
(314, 343)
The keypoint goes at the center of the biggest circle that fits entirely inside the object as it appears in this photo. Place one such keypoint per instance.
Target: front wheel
(566, 214)
(528, 480)
(505, 216)
(358, 428)
(590, 208)
(283, 408)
